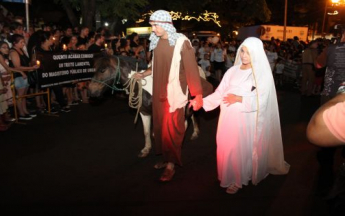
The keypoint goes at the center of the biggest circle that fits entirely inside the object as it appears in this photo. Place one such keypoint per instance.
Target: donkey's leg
(196, 129)
(147, 133)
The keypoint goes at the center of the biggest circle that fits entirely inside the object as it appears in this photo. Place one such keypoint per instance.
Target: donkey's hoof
(194, 137)
(143, 154)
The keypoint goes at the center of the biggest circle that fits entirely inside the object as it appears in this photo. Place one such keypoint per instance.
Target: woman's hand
(231, 99)
(3, 91)
(24, 75)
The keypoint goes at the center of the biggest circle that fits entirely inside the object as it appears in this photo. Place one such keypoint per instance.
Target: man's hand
(138, 76)
(142, 75)
(197, 102)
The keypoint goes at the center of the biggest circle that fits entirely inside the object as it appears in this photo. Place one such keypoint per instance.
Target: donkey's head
(110, 72)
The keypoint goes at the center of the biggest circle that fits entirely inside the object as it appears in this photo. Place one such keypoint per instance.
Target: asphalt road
(85, 163)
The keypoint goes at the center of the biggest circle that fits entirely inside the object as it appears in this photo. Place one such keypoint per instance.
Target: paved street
(85, 163)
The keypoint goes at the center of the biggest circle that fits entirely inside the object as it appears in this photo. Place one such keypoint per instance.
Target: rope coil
(134, 100)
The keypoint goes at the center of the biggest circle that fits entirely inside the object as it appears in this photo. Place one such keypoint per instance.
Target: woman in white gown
(249, 143)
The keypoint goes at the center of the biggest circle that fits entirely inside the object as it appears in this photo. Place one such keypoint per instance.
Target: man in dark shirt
(84, 33)
(333, 58)
(98, 45)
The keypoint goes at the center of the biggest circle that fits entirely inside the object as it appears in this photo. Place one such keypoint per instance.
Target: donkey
(112, 71)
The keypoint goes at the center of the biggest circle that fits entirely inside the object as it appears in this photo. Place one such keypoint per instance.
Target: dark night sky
(315, 9)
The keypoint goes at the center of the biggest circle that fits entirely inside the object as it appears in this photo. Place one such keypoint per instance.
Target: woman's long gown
(236, 125)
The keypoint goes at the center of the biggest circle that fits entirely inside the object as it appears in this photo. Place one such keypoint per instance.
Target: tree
(115, 9)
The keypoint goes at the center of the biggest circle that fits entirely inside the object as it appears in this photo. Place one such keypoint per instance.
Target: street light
(334, 3)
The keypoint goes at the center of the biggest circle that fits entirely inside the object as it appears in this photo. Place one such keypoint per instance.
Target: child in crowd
(205, 64)
(279, 69)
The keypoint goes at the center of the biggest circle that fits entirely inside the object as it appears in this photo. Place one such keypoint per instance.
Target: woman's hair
(16, 38)
(67, 40)
(123, 42)
(1, 44)
(43, 37)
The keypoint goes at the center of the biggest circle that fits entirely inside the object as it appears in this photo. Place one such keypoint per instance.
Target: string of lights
(205, 17)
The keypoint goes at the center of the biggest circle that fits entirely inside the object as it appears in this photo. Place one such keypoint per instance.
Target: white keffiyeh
(163, 19)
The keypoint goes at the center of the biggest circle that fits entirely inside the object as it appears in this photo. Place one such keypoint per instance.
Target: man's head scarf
(164, 20)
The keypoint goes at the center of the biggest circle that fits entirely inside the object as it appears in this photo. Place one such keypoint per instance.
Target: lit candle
(38, 62)
(106, 45)
(64, 47)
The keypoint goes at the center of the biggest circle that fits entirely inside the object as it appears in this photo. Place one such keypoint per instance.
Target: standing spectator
(115, 44)
(272, 56)
(66, 34)
(136, 49)
(278, 72)
(218, 55)
(90, 39)
(230, 59)
(70, 88)
(72, 42)
(205, 49)
(232, 46)
(57, 38)
(248, 147)
(308, 73)
(18, 28)
(21, 62)
(98, 46)
(45, 43)
(331, 58)
(124, 47)
(205, 64)
(83, 36)
(335, 67)
(6, 71)
(3, 106)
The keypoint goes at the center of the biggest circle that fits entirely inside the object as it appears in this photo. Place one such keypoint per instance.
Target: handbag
(32, 77)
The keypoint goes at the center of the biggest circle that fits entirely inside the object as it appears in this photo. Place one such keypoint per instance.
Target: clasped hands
(196, 103)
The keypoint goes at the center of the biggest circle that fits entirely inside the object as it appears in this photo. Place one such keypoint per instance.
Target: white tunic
(236, 126)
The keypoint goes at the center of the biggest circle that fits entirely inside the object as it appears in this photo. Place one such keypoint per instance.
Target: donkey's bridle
(116, 77)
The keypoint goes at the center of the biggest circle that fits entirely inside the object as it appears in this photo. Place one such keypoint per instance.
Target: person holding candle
(20, 61)
(45, 40)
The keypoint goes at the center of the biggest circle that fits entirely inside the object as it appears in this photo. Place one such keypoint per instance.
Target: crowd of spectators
(291, 62)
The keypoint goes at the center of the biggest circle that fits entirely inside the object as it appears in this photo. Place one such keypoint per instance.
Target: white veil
(268, 154)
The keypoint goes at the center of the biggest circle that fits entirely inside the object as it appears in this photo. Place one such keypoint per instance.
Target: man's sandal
(160, 165)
